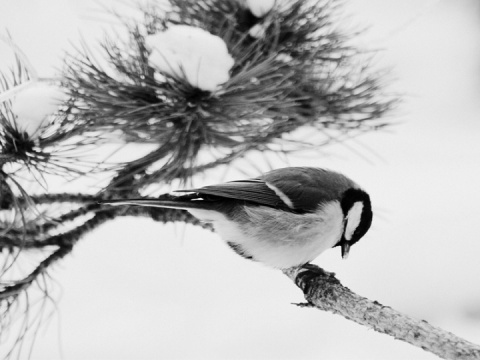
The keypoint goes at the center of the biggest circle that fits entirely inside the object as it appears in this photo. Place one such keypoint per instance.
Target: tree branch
(324, 291)
(17, 287)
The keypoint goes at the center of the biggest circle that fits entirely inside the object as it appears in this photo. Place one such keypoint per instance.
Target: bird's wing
(307, 188)
(252, 190)
(296, 189)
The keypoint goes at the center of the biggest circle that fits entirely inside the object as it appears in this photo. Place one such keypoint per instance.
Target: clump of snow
(34, 105)
(260, 8)
(193, 54)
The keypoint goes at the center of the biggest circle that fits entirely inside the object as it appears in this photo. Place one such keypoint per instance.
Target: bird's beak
(345, 249)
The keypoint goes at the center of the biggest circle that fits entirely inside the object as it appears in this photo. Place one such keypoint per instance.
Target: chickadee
(284, 218)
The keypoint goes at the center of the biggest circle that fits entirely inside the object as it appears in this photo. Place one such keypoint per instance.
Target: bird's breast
(278, 238)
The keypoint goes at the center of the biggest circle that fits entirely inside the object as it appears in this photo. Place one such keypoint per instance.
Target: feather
(253, 190)
(308, 188)
(298, 189)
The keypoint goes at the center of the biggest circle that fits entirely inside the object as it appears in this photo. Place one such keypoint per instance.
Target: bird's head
(357, 212)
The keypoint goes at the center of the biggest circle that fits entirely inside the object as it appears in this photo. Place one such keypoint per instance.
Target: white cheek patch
(286, 200)
(353, 219)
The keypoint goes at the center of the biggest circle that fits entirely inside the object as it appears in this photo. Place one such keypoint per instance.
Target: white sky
(134, 289)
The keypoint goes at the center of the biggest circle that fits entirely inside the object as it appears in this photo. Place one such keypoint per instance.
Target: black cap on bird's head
(357, 210)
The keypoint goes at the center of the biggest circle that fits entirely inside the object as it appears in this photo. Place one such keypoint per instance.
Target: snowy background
(135, 289)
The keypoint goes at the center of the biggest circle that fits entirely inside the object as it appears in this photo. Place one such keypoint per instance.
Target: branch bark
(324, 291)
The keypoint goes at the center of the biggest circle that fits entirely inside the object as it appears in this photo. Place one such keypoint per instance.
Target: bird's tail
(164, 201)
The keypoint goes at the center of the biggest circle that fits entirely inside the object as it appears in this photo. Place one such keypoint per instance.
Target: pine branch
(66, 241)
(48, 198)
(22, 285)
(324, 291)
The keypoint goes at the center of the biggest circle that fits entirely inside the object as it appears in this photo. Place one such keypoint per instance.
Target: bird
(284, 218)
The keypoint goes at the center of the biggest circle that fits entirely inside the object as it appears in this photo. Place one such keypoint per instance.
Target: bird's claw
(307, 274)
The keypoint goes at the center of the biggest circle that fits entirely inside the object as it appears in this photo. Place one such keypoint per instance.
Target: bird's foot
(307, 275)
(316, 269)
